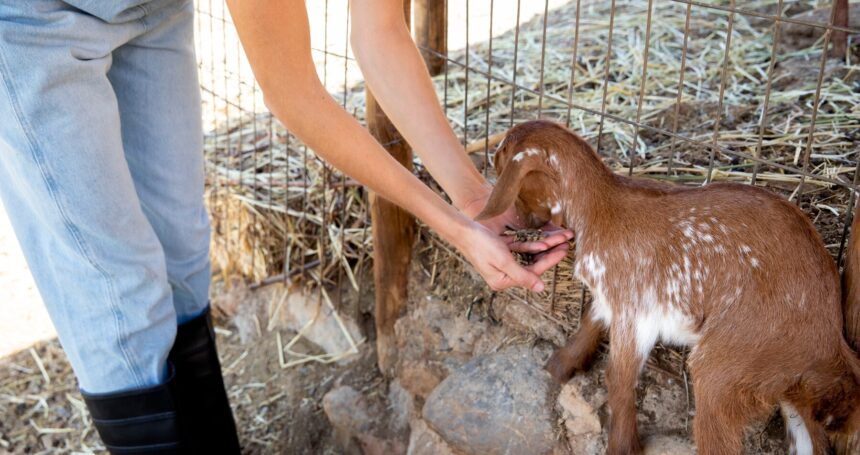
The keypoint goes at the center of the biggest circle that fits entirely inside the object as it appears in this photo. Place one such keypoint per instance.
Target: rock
(401, 404)
(425, 441)
(317, 321)
(348, 413)
(497, 403)
(420, 378)
(668, 445)
(355, 424)
(580, 416)
(579, 402)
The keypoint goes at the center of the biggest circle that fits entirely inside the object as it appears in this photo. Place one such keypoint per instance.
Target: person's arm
(395, 71)
(276, 39)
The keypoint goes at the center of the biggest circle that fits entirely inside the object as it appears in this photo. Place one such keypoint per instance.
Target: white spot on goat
(553, 159)
(600, 309)
(527, 152)
(801, 441)
(661, 322)
(556, 208)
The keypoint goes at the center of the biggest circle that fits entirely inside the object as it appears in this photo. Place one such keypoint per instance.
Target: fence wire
(679, 90)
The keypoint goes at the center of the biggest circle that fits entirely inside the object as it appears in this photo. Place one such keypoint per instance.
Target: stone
(347, 411)
(494, 404)
(401, 404)
(668, 445)
(355, 423)
(579, 403)
(419, 378)
(318, 322)
(580, 416)
(424, 441)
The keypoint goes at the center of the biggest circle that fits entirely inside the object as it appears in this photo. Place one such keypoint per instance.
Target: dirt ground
(450, 318)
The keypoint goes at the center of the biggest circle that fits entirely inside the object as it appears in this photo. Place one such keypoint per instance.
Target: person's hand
(551, 248)
(491, 256)
(489, 250)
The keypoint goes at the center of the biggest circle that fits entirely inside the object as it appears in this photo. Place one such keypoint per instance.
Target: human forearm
(401, 84)
(278, 47)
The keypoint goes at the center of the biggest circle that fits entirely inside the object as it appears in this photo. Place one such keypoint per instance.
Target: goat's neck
(589, 195)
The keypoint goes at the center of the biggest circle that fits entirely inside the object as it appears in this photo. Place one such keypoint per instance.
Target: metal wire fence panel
(278, 212)
(680, 90)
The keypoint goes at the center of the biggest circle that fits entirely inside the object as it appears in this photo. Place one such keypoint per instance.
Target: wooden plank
(394, 233)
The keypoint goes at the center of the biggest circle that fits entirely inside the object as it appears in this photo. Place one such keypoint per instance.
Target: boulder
(424, 441)
(579, 403)
(357, 424)
(498, 403)
(317, 321)
(668, 445)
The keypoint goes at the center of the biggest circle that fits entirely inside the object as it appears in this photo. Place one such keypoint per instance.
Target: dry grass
(277, 208)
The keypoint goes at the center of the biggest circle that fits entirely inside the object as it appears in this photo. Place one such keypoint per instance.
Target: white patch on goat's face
(556, 208)
(527, 152)
(662, 322)
(754, 263)
(801, 441)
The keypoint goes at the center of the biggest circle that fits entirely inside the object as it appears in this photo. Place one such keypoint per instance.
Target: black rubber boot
(206, 420)
(139, 421)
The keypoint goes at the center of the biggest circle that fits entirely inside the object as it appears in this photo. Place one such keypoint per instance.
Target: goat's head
(528, 175)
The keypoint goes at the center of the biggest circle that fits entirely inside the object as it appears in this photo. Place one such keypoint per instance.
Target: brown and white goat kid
(735, 272)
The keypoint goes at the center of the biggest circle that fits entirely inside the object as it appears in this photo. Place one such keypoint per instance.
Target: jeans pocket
(113, 12)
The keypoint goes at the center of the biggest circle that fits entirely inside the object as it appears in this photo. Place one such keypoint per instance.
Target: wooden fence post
(393, 236)
(431, 32)
(840, 38)
(394, 229)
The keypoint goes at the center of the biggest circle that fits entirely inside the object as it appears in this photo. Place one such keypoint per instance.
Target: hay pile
(285, 209)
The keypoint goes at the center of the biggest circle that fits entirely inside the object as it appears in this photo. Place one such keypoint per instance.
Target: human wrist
(472, 200)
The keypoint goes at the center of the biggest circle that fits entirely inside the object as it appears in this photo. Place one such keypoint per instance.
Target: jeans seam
(73, 231)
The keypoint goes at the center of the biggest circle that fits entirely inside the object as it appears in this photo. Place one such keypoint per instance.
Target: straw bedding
(277, 208)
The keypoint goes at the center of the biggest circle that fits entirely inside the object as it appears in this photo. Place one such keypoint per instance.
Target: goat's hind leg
(724, 407)
(578, 352)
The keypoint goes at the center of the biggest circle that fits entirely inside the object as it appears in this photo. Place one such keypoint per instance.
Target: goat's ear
(508, 187)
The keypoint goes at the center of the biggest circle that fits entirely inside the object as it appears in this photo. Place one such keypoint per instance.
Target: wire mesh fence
(687, 91)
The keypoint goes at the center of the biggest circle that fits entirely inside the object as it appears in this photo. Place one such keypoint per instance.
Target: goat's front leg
(622, 373)
(578, 352)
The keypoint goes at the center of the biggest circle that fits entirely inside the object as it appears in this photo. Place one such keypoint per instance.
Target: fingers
(537, 246)
(517, 275)
(548, 260)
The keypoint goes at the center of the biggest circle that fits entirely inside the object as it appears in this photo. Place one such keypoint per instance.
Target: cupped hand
(489, 250)
(554, 236)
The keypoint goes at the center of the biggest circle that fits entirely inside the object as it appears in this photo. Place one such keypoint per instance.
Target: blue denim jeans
(101, 173)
